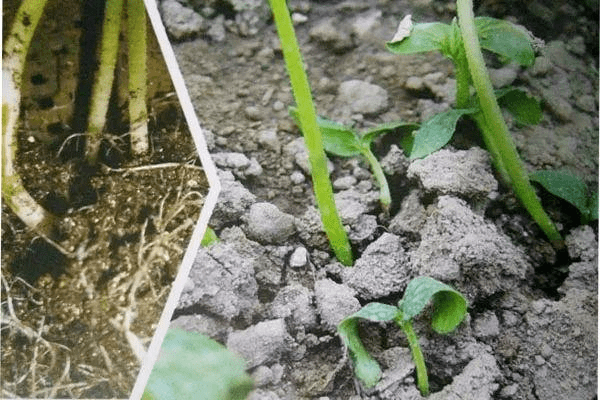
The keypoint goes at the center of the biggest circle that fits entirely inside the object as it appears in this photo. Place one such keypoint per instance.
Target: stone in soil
(334, 302)
(266, 341)
(266, 224)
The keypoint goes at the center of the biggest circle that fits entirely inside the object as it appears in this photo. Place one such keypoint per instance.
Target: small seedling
(193, 366)
(210, 237)
(462, 42)
(449, 309)
(307, 115)
(570, 188)
(344, 141)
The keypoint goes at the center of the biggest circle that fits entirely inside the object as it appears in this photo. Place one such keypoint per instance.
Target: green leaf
(506, 39)
(365, 367)
(339, 139)
(449, 306)
(593, 206)
(565, 185)
(423, 37)
(210, 237)
(526, 109)
(381, 129)
(193, 366)
(436, 132)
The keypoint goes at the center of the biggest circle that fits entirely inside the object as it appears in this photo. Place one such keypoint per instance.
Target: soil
(78, 312)
(272, 291)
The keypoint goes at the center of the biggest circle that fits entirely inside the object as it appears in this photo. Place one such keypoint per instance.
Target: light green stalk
(13, 63)
(138, 113)
(312, 135)
(417, 355)
(494, 128)
(385, 197)
(104, 77)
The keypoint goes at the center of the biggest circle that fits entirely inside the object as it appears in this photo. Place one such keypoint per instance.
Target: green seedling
(449, 309)
(570, 188)
(462, 42)
(344, 141)
(193, 366)
(307, 116)
(210, 237)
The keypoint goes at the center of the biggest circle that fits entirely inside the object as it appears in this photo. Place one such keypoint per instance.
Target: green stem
(14, 57)
(494, 128)
(312, 135)
(103, 80)
(384, 189)
(417, 355)
(138, 113)
(463, 80)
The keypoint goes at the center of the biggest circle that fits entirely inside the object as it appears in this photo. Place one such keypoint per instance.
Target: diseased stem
(104, 77)
(494, 128)
(138, 113)
(14, 56)
(417, 355)
(312, 135)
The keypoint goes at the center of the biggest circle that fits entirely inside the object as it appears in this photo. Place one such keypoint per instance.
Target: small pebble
(297, 177)
(345, 182)
(253, 113)
(298, 18)
(299, 258)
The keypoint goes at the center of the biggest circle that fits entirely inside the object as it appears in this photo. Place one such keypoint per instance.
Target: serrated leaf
(565, 185)
(193, 366)
(449, 306)
(423, 37)
(526, 109)
(436, 132)
(381, 129)
(506, 39)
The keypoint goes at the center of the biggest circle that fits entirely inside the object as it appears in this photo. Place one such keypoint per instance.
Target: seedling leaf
(436, 132)
(210, 238)
(365, 367)
(382, 129)
(449, 305)
(593, 206)
(505, 39)
(524, 108)
(424, 37)
(564, 185)
(193, 366)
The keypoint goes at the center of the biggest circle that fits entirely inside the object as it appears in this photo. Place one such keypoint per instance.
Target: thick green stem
(384, 190)
(14, 57)
(463, 81)
(103, 80)
(494, 128)
(417, 355)
(138, 113)
(312, 135)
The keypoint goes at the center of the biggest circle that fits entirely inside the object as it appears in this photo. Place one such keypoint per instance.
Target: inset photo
(107, 187)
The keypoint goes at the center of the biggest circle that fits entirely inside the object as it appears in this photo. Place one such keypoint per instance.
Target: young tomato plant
(307, 115)
(462, 42)
(449, 309)
(344, 141)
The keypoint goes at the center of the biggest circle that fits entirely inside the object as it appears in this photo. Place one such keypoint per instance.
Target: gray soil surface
(271, 289)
